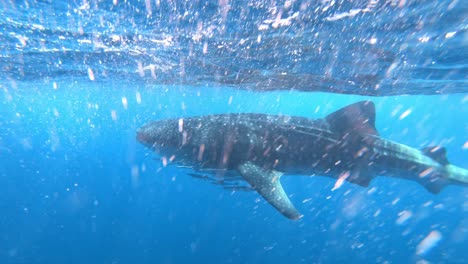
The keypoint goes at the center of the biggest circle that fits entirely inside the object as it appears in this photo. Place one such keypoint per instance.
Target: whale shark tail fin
(451, 175)
(267, 184)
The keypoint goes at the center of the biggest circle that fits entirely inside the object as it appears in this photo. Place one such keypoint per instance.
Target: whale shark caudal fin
(267, 184)
(453, 174)
(355, 118)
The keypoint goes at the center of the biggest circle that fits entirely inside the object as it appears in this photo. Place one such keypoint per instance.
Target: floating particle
(140, 69)
(205, 48)
(55, 85)
(124, 102)
(114, 115)
(115, 38)
(465, 146)
(404, 216)
(405, 114)
(164, 161)
(428, 203)
(429, 242)
(396, 110)
(390, 69)
(181, 125)
(340, 180)
(426, 172)
(153, 71)
(377, 213)
(135, 173)
(450, 35)
(465, 99)
(362, 151)
(22, 40)
(148, 7)
(424, 39)
(357, 245)
(268, 248)
(184, 137)
(90, 74)
(201, 150)
(452, 5)
(138, 97)
(434, 149)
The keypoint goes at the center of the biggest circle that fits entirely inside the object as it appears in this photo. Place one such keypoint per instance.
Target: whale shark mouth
(141, 136)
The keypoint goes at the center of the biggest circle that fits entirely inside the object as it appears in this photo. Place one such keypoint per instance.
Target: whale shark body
(344, 145)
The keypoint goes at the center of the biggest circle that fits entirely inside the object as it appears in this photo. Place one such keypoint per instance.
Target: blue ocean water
(79, 77)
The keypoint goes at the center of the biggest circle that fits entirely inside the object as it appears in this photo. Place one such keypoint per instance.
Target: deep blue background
(68, 194)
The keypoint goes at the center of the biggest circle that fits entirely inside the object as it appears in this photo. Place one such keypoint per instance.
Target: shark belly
(292, 147)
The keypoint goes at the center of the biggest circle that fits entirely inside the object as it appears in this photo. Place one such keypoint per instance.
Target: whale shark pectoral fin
(360, 177)
(267, 184)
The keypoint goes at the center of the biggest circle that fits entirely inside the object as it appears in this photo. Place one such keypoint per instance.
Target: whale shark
(261, 148)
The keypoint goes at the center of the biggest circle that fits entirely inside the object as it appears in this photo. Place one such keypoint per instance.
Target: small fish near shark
(344, 145)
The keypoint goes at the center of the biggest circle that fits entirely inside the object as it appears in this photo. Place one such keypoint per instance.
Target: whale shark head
(161, 135)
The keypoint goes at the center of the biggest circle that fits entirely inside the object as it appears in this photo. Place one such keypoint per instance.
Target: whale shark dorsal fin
(267, 184)
(436, 153)
(358, 117)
